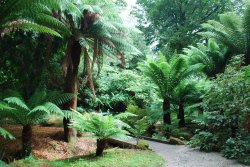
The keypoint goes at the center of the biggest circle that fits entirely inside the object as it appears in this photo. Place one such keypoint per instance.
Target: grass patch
(111, 158)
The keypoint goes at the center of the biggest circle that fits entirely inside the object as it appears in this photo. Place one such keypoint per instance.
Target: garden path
(183, 156)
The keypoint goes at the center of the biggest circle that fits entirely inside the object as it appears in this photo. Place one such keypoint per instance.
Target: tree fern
(94, 34)
(232, 31)
(27, 114)
(167, 75)
(101, 127)
(32, 15)
(212, 56)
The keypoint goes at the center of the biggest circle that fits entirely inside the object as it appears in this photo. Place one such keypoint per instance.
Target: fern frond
(124, 115)
(40, 108)
(5, 134)
(53, 109)
(17, 103)
(59, 98)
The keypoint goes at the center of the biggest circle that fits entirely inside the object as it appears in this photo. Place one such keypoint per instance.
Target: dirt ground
(47, 143)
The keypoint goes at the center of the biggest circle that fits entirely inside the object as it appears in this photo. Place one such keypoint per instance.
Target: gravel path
(182, 156)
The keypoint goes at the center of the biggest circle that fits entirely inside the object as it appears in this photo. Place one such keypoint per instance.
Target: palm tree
(233, 31)
(31, 112)
(166, 75)
(212, 57)
(32, 15)
(101, 33)
(101, 127)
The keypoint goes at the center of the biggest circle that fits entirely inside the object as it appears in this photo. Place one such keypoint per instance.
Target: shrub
(159, 137)
(206, 141)
(142, 144)
(226, 111)
(234, 148)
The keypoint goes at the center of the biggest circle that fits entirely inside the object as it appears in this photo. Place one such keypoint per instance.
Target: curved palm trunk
(71, 85)
(26, 140)
(181, 115)
(101, 144)
(166, 111)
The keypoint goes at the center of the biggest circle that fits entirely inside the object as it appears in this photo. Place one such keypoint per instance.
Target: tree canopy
(174, 24)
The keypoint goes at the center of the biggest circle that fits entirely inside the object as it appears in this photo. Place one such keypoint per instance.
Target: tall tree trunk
(101, 144)
(166, 111)
(26, 140)
(71, 84)
(181, 115)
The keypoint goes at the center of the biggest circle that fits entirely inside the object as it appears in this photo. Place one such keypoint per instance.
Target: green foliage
(212, 56)
(175, 24)
(100, 127)
(31, 15)
(33, 111)
(139, 127)
(2, 163)
(232, 31)
(159, 137)
(206, 141)
(166, 75)
(226, 113)
(139, 112)
(228, 96)
(142, 144)
(106, 36)
(235, 148)
(116, 88)
(5, 134)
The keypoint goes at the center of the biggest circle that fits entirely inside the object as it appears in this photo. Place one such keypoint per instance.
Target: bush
(158, 136)
(206, 141)
(226, 113)
(234, 148)
(142, 144)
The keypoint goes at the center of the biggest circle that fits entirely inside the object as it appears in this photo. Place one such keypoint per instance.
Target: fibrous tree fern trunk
(26, 140)
(101, 144)
(166, 111)
(181, 115)
(71, 84)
